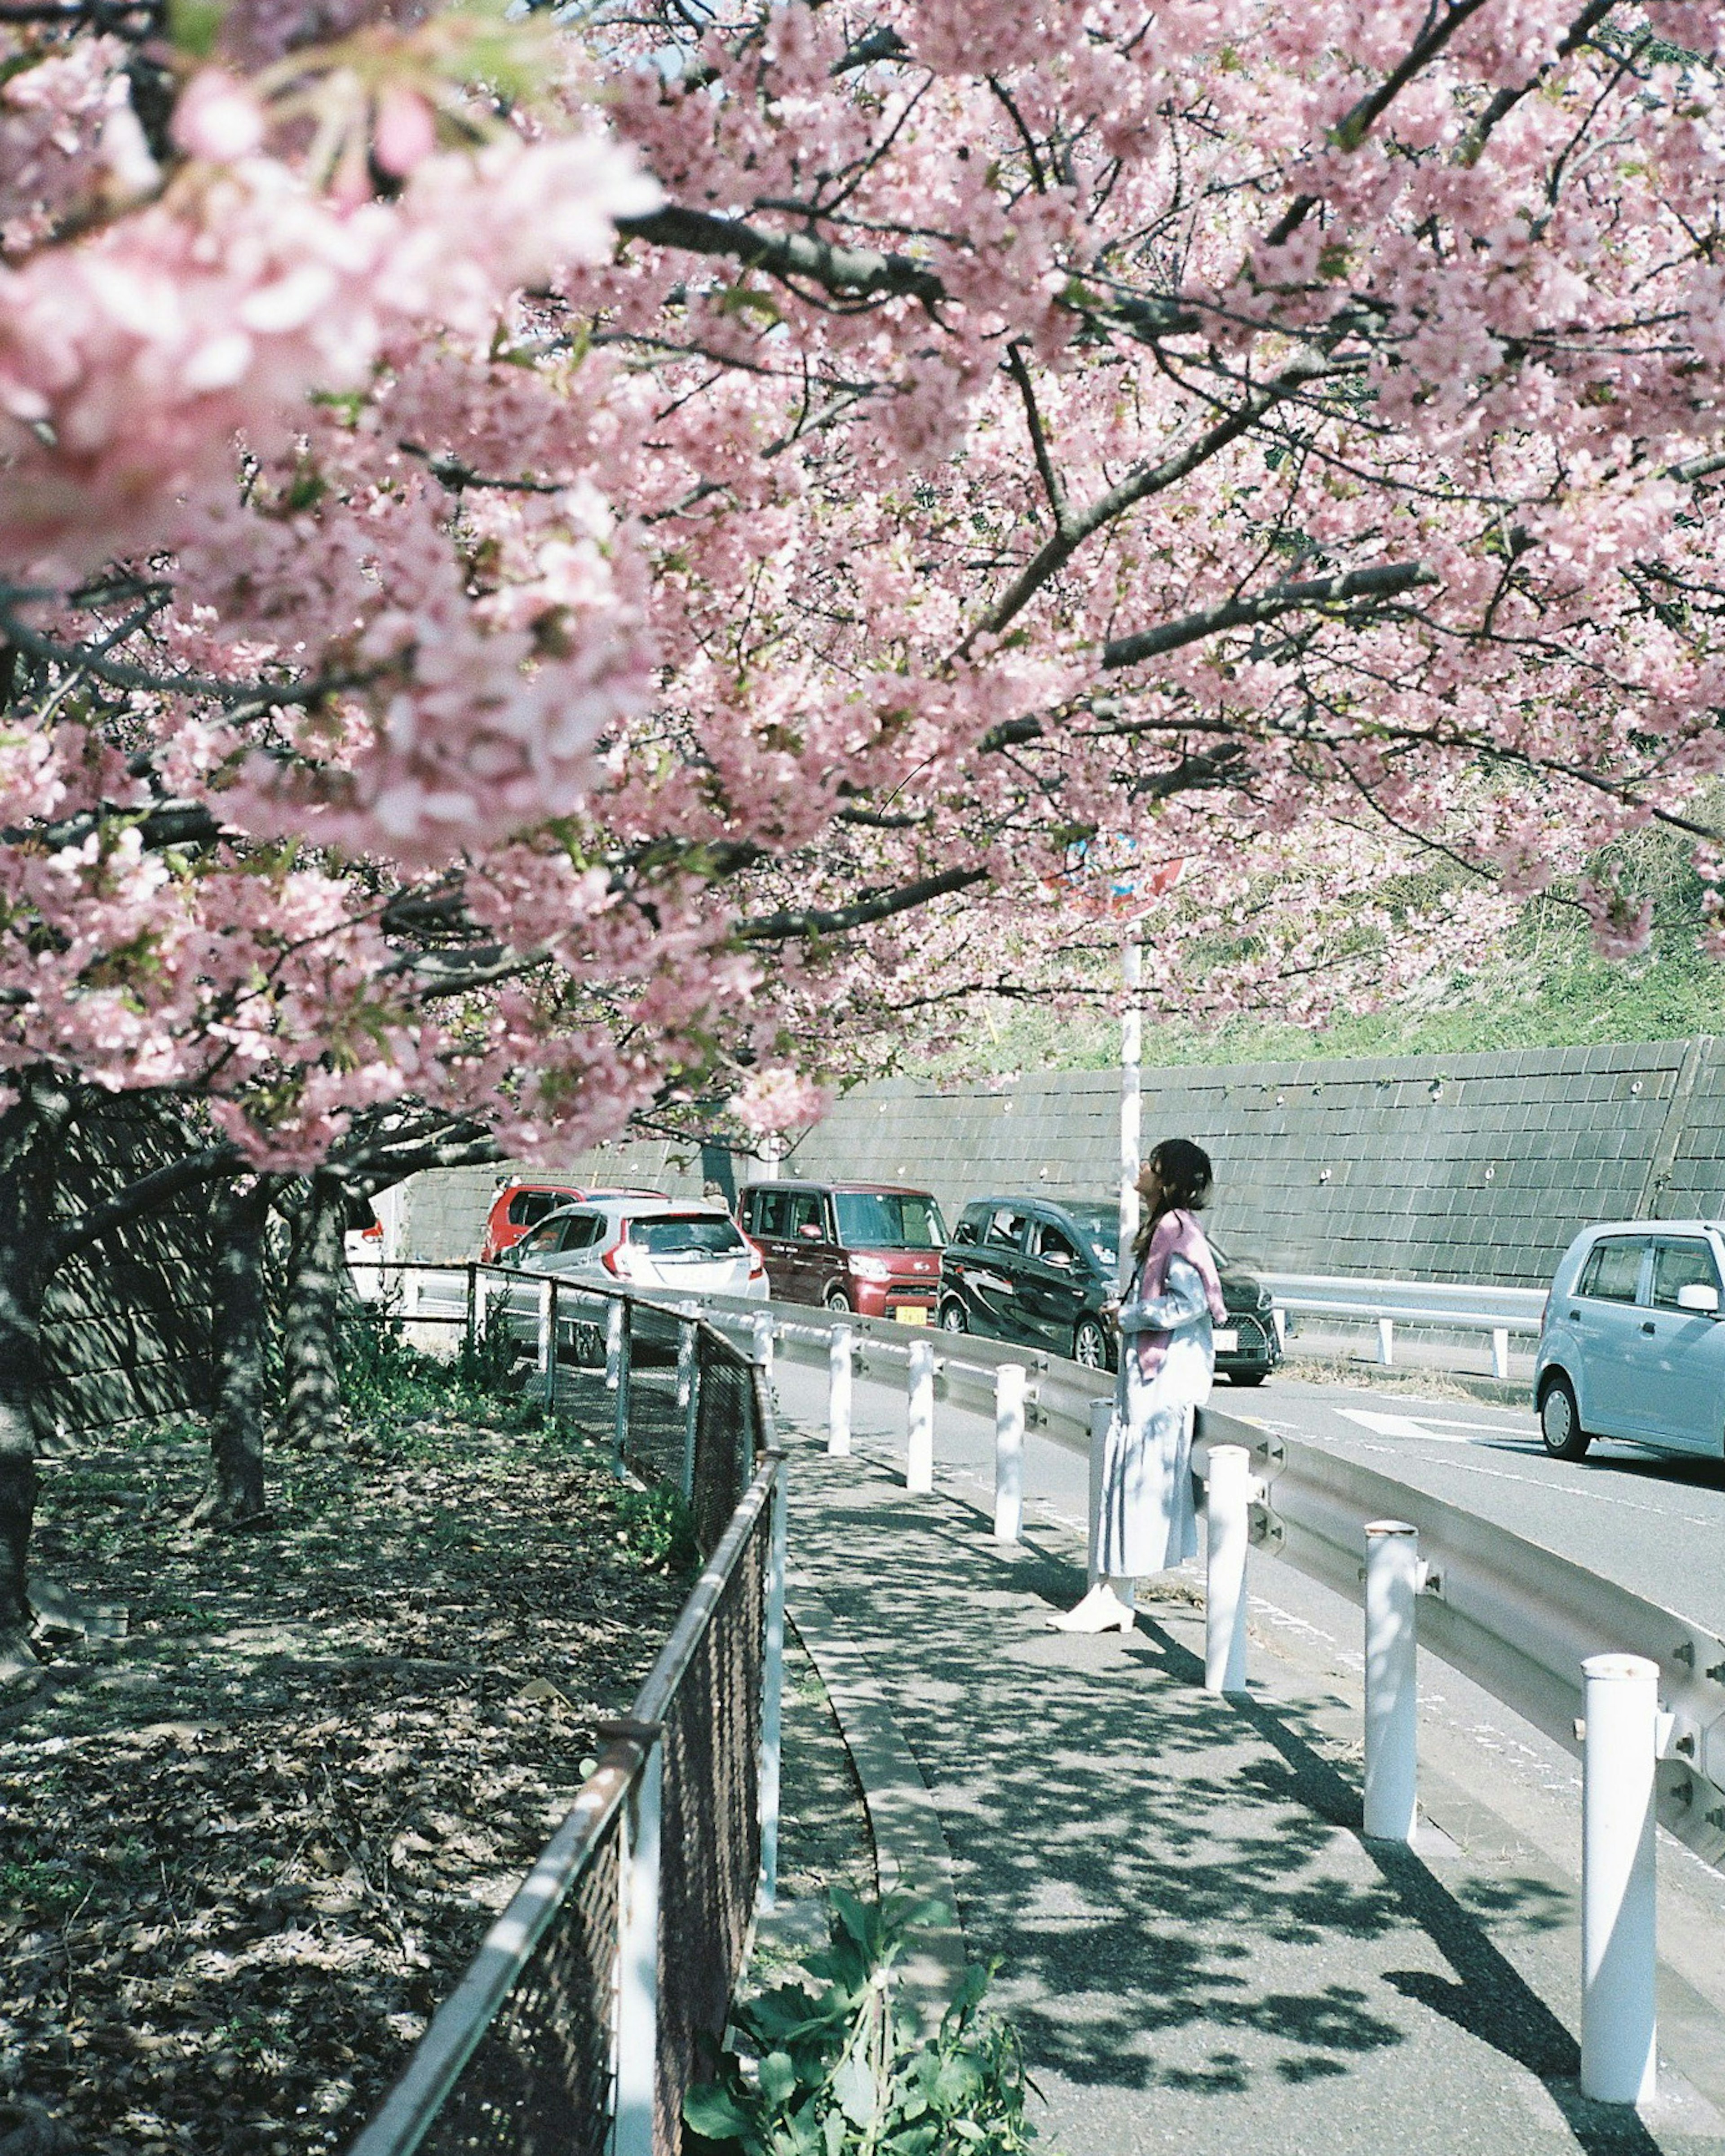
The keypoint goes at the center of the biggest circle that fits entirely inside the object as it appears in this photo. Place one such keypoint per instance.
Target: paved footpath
(1199, 1950)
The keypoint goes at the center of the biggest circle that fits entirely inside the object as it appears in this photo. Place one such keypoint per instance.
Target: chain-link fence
(581, 2023)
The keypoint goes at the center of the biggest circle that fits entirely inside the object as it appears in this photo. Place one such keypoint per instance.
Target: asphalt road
(1657, 1526)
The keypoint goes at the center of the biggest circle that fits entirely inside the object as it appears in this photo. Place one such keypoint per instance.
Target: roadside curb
(911, 1854)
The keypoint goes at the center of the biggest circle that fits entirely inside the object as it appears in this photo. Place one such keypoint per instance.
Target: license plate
(911, 1314)
(1227, 1339)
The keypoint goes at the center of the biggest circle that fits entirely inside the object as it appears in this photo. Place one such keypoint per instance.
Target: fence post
(772, 1686)
(1009, 1451)
(623, 1311)
(472, 1311)
(688, 1381)
(1619, 2030)
(614, 1329)
(638, 1951)
(1391, 1681)
(547, 1346)
(1102, 1415)
(551, 1367)
(919, 1419)
(761, 1358)
(1227, 1515)
(1500, 1351)
(1386, 1341)
(839, 1348)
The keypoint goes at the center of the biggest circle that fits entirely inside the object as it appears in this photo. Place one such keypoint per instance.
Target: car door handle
(1648, 1327)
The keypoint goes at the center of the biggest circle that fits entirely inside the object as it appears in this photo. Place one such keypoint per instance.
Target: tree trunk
(240, 1316)
(317, 1263)
(29, 1134)
(20, 1386)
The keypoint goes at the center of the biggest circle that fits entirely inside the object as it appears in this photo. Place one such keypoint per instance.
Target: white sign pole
(1131, 1052)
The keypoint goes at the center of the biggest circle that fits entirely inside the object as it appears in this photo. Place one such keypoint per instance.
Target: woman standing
(1167, 1363)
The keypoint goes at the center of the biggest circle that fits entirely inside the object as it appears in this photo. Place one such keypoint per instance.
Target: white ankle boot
(1102, 1610)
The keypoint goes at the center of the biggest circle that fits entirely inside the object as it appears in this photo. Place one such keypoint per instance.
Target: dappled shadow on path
(1174, 1883)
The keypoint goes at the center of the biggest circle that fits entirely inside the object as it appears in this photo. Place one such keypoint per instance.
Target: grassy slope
(1547, 989)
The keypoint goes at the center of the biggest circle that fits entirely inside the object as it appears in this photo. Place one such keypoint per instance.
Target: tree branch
(1383, 581)
(862, 273)
(143, 1196)
(813, 921)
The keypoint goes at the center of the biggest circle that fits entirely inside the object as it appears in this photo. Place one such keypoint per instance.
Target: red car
(521, 1205)
(872, 1247)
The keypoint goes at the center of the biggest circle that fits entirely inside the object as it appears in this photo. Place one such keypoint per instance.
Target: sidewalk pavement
(1198, 1949)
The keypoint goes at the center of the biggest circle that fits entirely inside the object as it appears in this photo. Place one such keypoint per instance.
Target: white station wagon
(1633, 1344)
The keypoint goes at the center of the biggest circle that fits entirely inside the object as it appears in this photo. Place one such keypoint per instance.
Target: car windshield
(1101, 1227)
(679, 1234)
(888, 1220)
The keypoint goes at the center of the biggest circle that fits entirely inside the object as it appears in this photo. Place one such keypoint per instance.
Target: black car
(1028, 1270)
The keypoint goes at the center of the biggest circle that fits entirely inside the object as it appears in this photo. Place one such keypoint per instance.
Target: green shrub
(657, 1525)
(833, 2067)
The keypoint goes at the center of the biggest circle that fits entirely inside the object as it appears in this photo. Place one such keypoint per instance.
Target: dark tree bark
(315, 1284)
(30, 1132)
(241, 1318)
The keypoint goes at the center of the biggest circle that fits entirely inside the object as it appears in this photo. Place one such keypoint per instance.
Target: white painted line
(1554, 1489)
(1393, 1425)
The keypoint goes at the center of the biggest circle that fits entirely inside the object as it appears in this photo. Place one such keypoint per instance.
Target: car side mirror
(809, 1231)
(1699, 1296)
(1057, 1258)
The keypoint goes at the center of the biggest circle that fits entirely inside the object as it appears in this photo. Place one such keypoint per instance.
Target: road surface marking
(1395, 1425)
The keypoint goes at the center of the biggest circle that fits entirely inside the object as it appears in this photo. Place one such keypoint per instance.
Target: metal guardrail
(1520, 1620)
(1432, 1305)
(579, 2024)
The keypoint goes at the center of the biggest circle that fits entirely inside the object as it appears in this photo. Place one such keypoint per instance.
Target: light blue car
(1633, 1342)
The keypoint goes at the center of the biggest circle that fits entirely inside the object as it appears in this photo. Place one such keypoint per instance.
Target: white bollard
(1618, 2031)
(919, 1419)
(1386, 1341)
(1009, 1451)
(1228, 1515)
(1102, 1417)
(1279, 1318)
(1392, 1679)
(1500, 1351)
(838, 1352)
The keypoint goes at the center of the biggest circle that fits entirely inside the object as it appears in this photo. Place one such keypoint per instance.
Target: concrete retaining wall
(1461, 1167)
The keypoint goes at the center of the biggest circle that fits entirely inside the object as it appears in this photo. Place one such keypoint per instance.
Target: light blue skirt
(1149, 1521)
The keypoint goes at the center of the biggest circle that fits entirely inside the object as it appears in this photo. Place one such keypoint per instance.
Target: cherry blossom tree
(531, 553)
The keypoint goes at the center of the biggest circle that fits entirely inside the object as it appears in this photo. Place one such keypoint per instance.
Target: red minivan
(521, 1205)
(872, 1247)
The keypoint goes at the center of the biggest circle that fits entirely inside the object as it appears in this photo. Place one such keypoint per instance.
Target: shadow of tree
(1158, 1871)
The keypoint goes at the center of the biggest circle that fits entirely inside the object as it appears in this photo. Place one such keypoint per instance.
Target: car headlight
(870, 1269)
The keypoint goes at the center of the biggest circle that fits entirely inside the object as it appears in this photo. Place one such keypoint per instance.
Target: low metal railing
(1638, 1690)
(1519, 1619)
(579, 2025)
(1506, 1313)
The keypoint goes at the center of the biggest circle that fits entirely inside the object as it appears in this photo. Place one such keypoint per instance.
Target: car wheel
(1560, 1421)
(838, 1300)
(1090, 1345)
(953, 1320)
(1247, 1377)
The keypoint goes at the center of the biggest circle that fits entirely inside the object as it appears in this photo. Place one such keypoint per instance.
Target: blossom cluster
(654, 548)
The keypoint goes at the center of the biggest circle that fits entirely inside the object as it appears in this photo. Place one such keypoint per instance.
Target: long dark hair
(1186, 1179)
